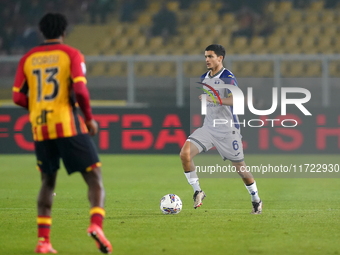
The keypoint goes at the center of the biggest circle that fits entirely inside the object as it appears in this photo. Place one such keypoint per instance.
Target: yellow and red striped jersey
(46, 73)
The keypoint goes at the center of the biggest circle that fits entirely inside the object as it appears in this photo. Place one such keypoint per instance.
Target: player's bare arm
(92, 126)
(225, 101)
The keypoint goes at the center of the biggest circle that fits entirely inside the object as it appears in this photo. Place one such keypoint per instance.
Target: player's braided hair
(53, 25)
(218, 49)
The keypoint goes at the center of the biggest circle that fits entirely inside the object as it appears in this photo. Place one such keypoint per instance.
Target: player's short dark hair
(217, 48)
(53, 25)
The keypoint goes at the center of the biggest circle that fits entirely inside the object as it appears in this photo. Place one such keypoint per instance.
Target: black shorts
(79, 154)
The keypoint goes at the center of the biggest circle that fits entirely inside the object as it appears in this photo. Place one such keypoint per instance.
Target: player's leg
(246, 176)
(45, 201)
(96, 195)
(250, 184)
(79, 154)
(48, 162)
(231, 148)
(198, 141)
(45, 197)
(188, 152)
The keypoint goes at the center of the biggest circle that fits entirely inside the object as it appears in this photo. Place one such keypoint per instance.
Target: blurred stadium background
(141, 54)
(140, 59)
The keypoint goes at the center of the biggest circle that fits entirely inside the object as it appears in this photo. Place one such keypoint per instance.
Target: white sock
(193, 180)
(252, 189)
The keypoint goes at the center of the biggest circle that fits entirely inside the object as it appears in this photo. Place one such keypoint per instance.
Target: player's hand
(92, 126)
(209, 99)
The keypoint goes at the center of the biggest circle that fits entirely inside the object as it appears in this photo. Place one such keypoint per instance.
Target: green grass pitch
(300, 216)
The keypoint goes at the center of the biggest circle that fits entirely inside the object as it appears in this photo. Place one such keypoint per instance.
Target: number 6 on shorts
(235, 145)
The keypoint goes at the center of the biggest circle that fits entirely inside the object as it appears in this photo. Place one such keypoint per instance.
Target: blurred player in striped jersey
(50, 82)
(226, 138)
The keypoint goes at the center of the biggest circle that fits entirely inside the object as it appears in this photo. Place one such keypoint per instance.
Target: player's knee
(97, 171)
(238, 165)
(96, 177)
(49, 181)
(185, 154)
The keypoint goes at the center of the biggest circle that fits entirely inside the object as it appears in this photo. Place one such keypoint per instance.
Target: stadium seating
(173, 6)
(145, 19)
(274, 42)
(313, 69)
(97, 69)
(146, 69)
(314, 30)
(311, 30)
(117, 69)
(295, 17)
(167, 69)
(328, 17)
(317, 6)
(257, 43)
(264, 69)
(228, 19)
(334, 68)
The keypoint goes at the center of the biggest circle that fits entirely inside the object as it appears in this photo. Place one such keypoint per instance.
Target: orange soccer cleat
(44, 247)
(97, 234)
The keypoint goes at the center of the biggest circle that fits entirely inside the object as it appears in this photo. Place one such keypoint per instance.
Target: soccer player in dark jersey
(50, 82)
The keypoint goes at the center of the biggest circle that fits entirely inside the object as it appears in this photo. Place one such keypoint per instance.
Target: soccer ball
(170, 204)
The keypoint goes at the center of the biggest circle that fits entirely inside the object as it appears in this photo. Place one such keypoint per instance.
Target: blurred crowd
(19, 18)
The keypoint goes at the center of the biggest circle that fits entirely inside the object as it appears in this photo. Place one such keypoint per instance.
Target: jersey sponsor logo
(42, 118)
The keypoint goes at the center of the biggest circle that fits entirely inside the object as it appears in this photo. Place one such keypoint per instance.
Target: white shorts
(229, 147)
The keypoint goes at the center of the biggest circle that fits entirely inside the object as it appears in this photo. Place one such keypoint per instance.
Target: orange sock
(97, 216)
(44, 227)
